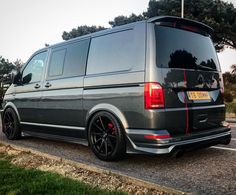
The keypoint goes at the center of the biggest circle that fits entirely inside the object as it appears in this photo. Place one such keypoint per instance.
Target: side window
(111, 53)
(34, 69)
(76, 57)
(69, 60)
(57, 62)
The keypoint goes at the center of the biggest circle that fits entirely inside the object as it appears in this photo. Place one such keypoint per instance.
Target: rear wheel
(10, 124)
(106, 137)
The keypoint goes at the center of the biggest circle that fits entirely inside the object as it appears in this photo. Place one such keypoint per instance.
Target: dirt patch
(102, 179)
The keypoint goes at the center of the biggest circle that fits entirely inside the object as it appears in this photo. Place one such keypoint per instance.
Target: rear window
(183, 49)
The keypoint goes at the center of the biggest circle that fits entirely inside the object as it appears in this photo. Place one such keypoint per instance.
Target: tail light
(153, 96)
(157, 136)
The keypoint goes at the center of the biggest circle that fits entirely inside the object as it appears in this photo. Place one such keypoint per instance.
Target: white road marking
(223, 148)
(233, 139)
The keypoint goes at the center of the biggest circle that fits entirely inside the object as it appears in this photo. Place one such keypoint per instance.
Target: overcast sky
(26, 25)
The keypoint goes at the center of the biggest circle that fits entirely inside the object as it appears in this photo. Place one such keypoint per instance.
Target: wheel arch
(12, 106)
(107, 108)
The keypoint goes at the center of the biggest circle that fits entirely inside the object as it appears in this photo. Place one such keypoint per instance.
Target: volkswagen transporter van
(153, 86)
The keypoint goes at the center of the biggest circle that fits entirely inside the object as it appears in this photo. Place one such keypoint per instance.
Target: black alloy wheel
(11, 124)
(106, 137)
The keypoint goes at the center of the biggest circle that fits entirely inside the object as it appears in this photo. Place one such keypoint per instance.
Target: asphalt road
(206, 171)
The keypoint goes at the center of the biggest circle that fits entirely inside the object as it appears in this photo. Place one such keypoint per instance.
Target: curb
(100, 170)
(231, 120)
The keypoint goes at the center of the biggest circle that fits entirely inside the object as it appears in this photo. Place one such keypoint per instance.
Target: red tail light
(157, 136)
(153, 96)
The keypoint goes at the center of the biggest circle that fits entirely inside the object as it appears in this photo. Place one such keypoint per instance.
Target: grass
(15, 180)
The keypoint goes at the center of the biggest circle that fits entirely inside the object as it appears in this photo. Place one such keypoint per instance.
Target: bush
(234, 109)
(231, 107)
(228, 97)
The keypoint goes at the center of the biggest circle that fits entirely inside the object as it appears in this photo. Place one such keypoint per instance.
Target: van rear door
(191, 77)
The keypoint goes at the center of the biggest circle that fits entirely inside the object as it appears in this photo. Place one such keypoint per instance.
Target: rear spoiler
(182, 23)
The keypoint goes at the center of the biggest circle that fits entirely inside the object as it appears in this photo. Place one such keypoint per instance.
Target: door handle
(37, 86)
(48, 85)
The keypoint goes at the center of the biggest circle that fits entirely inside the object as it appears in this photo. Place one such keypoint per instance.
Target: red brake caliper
(113, 129)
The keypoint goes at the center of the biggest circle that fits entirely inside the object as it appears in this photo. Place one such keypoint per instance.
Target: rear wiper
(204, 67)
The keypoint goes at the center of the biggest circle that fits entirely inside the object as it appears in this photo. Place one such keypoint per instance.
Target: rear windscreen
(178, 48)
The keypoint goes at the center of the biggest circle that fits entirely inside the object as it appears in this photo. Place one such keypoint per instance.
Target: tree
(230, 89)
(5, 66)
(230, 84)
(121, 20)
(80, 31)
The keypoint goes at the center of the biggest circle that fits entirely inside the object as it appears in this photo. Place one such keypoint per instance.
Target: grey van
(153, 86)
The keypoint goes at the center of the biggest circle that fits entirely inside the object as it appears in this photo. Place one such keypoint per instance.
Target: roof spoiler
(177, 21)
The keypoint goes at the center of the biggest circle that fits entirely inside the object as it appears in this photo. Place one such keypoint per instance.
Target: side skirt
(70, 134)
(56, 137)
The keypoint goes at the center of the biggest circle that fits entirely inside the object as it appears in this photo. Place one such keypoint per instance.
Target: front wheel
(10, 124)
(106, 137)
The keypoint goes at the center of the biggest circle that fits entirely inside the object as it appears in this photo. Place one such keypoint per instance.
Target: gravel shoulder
(94, 176)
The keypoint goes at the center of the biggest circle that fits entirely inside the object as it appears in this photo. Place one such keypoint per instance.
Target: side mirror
(26, 79)
(16, 77)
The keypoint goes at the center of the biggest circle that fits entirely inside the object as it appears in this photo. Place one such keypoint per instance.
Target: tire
(106, 137)
(10, 125)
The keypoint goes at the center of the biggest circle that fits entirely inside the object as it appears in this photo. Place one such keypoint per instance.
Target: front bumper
(138, 143)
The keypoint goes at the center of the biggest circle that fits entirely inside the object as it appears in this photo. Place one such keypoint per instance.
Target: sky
(26, 25)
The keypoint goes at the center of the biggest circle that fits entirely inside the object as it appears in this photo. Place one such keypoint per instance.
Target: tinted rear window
(178, 48)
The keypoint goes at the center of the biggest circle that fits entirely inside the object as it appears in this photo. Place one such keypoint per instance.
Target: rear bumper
(139, 144)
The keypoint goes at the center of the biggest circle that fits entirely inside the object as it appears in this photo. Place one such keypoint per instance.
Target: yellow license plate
(198, 95)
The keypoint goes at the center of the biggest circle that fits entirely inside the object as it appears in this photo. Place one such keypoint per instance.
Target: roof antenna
(46, 45)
